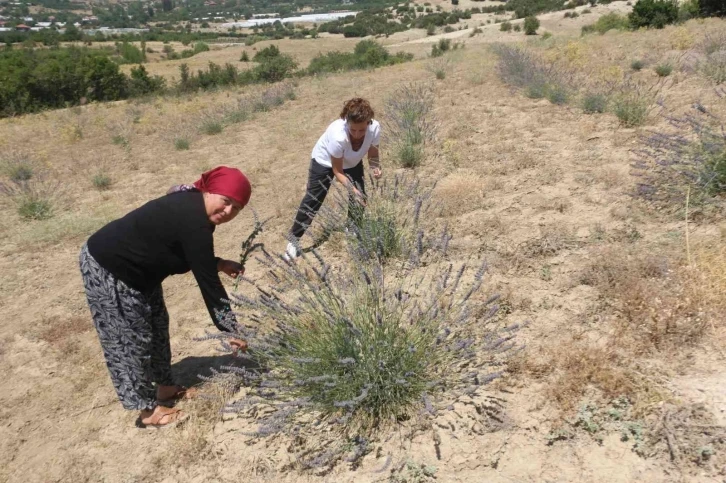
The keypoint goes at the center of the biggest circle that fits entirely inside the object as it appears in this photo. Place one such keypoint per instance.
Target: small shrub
(594, 103)
(517, 27)
(267, 53)
(35, 198)
(664, 70)
(245, 57)
(546, 35)
(431, 30)
(631, 109)
(448, 29)
(609, 21)
(119, 140)
(531, 24)
(181, 144)
(475, 32)
(211, 127)
(101, 181)
(505, 26)
(17, 168)
(558, 94)
(409, 122)
(637, 65)
(439, 67)
(440, 48)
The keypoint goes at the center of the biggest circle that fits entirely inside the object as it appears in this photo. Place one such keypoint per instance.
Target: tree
(712, 8)
(531, 24)
(653, 13)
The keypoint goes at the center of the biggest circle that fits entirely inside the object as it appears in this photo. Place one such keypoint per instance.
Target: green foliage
(101, 181)
(637, 64)
(129, 53)
(211, 127)
(141, 84)
(31, 80)
(594, 103)
(366, 55)
(531, 24)
(664, 70)
(33, 208)
(268, 53)
(275, 69)
(245, 57)
(527, 8)
(558, 94)
(409, 123)
(687, 10)
(631, 109)
(181, 144)
(443, 46)
(505, 26)
(653, 13)
(609, 21)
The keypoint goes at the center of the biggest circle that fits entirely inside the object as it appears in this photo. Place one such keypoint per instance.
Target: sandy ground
(507, 167)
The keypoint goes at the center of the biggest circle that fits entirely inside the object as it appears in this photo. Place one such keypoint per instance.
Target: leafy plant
(531, 24)
(637, 64)
(664, 70)
(101, 181)
(594, 103)
(35, 199)
(181, 144)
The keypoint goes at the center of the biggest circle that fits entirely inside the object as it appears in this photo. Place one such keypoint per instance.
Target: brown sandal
(173, 418)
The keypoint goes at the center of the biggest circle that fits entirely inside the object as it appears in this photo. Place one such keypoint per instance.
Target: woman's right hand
(238, 345)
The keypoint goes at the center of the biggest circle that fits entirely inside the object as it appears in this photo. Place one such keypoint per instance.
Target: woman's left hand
(376, 172)
(233, 269)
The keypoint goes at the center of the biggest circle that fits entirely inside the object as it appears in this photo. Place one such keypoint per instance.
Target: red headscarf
(226, 181)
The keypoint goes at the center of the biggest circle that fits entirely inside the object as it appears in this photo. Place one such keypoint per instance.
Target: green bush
(594, 103)
(211, 127)
(409, 122)
(34, 198)
(609, 21)
(664, 70)
(33, 208)
(653, 13)
(443, 46)
(558, 94)
(527, 8)
(517, 27)
(531, 24)
(181, 144)
(367, 54)
(631, 109)
(129, 53)
(637, 64)
(267, 53)
(275, 69)
(245, 57)
(505, 26)
(141, 84)
(409, 154)
(101, 181)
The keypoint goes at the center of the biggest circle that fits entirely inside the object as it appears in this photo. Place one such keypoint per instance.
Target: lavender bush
(524, 70)
(366, 347)
(35, 198)
(393, 224)
(409, 122)
(688, 160)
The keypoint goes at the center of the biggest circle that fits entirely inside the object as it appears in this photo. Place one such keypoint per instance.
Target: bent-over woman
(123, 265)
(338, 154)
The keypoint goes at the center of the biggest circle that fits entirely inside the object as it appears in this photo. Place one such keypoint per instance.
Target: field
(620, 378)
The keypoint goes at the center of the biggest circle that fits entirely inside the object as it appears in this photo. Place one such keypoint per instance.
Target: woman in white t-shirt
(338, 154)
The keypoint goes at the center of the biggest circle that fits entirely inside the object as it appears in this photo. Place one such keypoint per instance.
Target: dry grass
(662, 304)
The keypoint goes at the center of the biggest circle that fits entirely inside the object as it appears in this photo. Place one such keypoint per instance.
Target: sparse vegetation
(664, 69)
(101, 181)
(409, 123)
(637, 65)
(594, 103)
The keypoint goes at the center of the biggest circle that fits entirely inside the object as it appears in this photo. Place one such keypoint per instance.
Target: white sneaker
(291, 253)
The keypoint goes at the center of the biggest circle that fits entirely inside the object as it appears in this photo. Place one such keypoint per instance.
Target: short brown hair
(357, 110)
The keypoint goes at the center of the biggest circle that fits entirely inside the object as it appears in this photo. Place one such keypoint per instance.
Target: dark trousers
(319, 179)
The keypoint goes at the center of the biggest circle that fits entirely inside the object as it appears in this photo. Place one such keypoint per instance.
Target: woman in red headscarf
(123, 265)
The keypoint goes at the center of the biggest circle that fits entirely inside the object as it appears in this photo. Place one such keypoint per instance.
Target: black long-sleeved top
(166, 236)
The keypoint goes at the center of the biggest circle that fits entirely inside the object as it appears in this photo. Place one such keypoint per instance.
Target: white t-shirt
(336, 143)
